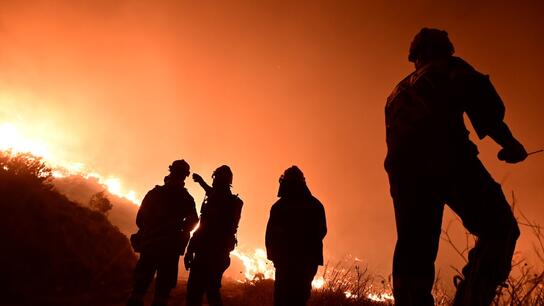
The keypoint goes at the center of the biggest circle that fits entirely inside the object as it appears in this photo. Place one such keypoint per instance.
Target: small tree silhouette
(100, 203)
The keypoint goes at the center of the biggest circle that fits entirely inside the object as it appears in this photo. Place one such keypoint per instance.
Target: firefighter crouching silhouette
(431, 161)
(165, 219)
(208, 251)
(294, 239)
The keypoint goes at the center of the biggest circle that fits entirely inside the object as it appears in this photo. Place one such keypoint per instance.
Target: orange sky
(127, 87)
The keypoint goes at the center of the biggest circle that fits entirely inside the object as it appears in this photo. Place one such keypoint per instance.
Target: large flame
(257, 267)
(12, 138)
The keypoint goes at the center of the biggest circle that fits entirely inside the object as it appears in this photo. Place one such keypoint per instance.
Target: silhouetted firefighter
(431, 161)
(165, 219)
(294, 236)
(208, 252)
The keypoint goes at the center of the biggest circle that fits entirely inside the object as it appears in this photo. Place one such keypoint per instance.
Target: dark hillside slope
(80, 189)
(51, 248)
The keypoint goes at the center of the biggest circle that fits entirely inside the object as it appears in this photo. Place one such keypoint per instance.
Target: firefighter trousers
(470, 191)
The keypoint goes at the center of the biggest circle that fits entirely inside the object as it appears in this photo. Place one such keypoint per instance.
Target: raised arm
(207, 188)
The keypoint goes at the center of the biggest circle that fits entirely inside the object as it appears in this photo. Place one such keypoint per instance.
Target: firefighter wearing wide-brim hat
(431, 162)
(165, 219)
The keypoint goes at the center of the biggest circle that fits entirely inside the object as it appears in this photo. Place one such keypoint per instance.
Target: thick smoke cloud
(126, 87)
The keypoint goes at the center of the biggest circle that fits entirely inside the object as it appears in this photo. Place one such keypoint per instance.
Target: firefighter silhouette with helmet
(165, 219)
(294, 239)
(208, 252)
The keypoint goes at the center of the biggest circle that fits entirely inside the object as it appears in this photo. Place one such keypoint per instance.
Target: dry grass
(346, 283)
(525, 285)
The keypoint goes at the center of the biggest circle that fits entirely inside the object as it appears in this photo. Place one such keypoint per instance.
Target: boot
(472, 293)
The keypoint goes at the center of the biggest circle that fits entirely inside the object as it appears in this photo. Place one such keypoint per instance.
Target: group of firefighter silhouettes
(430, 162)
(167, 216)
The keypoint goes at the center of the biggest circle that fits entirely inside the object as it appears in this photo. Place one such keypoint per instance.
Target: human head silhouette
(222, 177)
(429, 44)
(179, 170)
(292, 182)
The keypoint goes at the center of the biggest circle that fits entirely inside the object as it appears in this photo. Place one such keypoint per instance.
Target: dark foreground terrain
(260, 293)
(54, 250)
(59, 252)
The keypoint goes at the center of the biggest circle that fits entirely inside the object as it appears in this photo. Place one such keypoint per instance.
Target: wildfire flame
(256, 264)
(350, 295)
(318, 282)
(11, 138)
(257, 267)
(381, 297)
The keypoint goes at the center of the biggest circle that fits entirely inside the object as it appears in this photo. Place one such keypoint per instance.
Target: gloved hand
(513, 153)
(188, 260)
(197, 178)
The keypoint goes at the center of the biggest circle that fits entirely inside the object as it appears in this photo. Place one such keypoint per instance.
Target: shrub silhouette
(80, 189)
(53, 248)
(24, 168)
(100, 203)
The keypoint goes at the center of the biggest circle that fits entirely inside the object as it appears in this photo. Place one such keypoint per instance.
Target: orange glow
(117, 90)
(318, 282)
(382, 297)
(12, 139)
(350, 295)
(256, 265)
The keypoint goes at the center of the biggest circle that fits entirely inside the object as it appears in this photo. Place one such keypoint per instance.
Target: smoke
(126, 87)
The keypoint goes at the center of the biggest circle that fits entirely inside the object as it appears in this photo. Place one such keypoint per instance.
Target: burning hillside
(56, 249)
(79, 183)
(13, 138)
(347, 277)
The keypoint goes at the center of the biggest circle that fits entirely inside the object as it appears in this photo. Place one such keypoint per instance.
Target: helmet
(293, 183)
(179, 169)
(293, 175)
(222, 175)
(429, 43)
